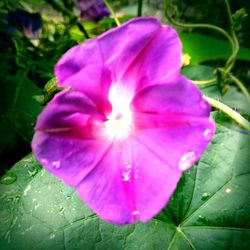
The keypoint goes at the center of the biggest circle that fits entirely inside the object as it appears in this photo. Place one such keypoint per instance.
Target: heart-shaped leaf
(209, 209)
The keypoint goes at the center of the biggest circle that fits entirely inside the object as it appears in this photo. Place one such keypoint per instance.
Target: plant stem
(231, 60)
(82, 29)
(202, 25)
(139, 10)
(230, 112)
(204, 82)
(68, 13)
(112, 13)
(241, 86)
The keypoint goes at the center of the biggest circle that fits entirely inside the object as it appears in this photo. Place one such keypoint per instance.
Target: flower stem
(230, 112)
(112, 13)
(139, 10)
(204, 82)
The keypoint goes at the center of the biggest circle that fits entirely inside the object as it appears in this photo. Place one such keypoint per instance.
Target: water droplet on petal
(135, 214)
(126, 176)
(136, 175)
(8, 178)
(208, 134)
(44, 161)
(187, 160)
(128, 166)
(203, 104)
(56, 164)
(205, 196)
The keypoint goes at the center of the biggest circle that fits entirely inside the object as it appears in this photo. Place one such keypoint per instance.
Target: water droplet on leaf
(32, 172)
(205, 196)
(202, 219)
(187, 160)
(8, 178)
(228, 190)
(26, 190)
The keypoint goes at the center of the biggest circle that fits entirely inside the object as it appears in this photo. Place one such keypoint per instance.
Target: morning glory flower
(29, 23)
(92, 10)
(130, 124)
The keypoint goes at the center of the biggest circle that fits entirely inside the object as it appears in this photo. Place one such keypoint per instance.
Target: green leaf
(233, 97)
(20, 109)
(209, 209)
(203, 48)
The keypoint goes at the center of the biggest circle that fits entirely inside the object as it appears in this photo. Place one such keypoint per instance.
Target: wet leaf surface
(209, 209)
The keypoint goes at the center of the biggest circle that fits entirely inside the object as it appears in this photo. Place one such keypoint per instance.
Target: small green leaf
(209, 209)
(238, 18)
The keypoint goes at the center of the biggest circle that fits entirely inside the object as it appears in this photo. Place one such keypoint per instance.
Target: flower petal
(83, 69)
(173, 120)
(158, 62)
(137, 53)
(130, 183)
(114, 178)
(66, 131)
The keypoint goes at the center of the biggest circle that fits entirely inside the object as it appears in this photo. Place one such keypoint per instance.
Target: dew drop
(56, 164)
(208, 134)
(37, 206)
(126, 176)
(26, 190)
(135, 214)
(203, 104)
(205, 196)
(187, 160)
(228, 190)
(32, 172)
(136, 175)
(201, 219)
(44, 161)
(8, 178)
(52, 236)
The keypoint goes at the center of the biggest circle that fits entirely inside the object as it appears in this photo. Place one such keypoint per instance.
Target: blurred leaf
(238, 18)
(20, 110)
(209, 210)
(25, 109)
(203, 48)
(233, 97)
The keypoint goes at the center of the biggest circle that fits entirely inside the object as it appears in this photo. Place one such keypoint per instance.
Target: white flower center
(120, 120)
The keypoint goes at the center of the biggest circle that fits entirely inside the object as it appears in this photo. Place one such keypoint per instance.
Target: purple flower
(92, 10)
(29, 23)
(129, 126)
